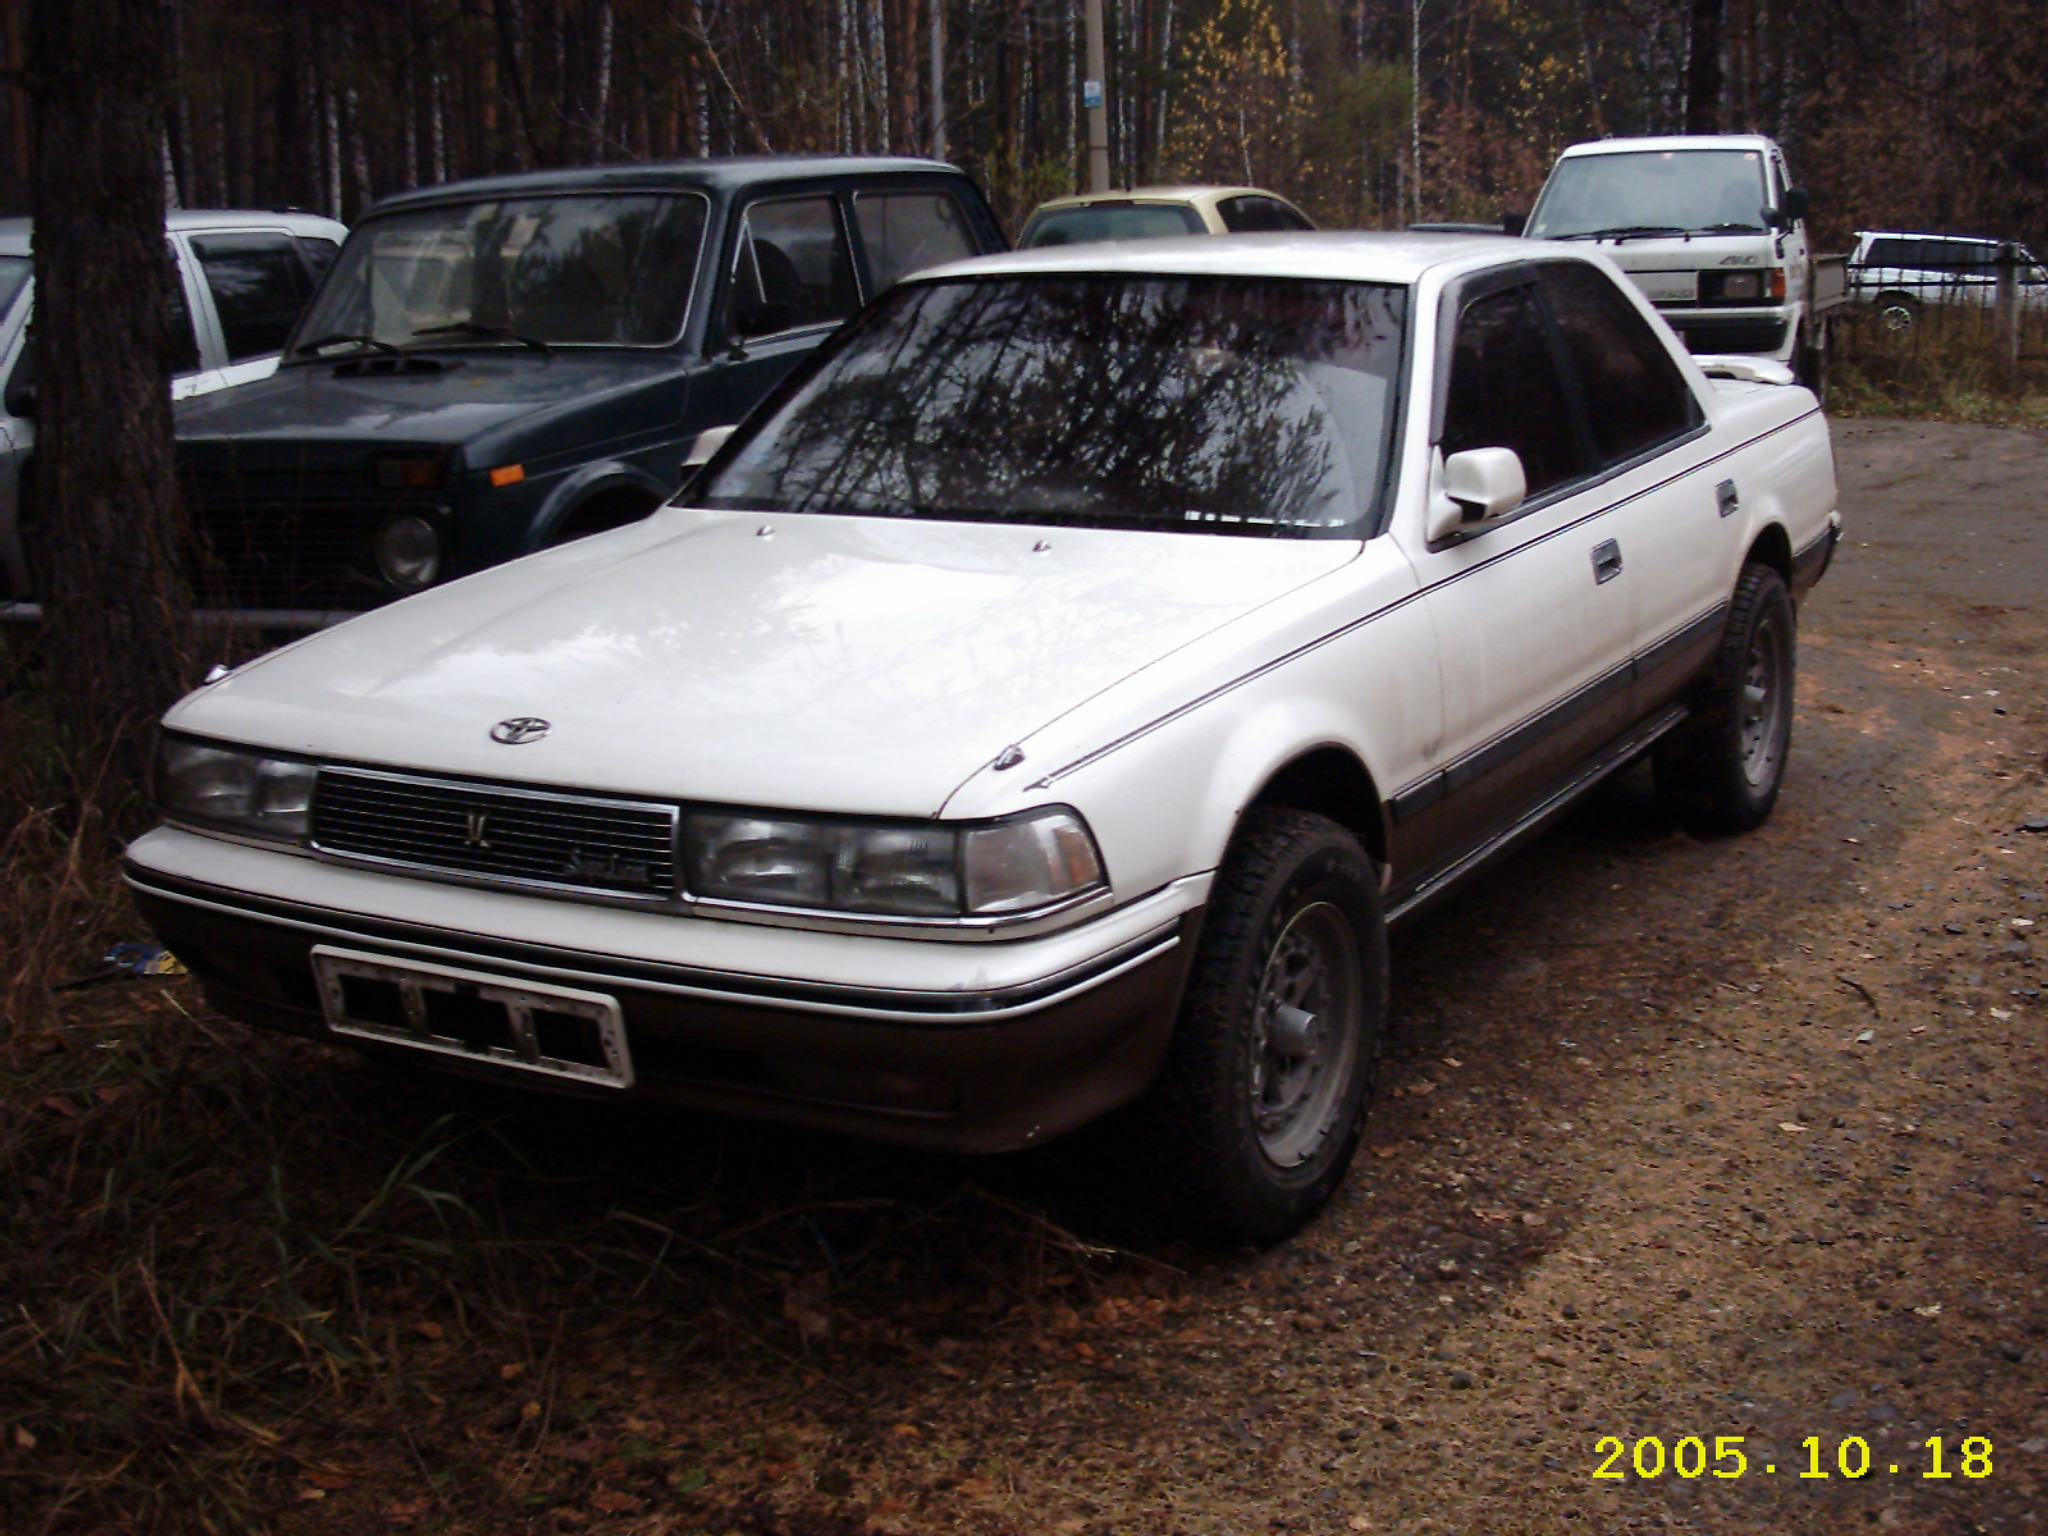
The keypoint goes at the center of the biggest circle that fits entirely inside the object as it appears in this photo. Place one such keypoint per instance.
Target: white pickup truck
(1714, 233)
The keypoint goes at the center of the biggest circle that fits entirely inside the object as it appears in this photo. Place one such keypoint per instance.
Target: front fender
(585, 483)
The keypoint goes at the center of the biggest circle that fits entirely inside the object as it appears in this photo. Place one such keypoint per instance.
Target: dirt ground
(1678, 1141)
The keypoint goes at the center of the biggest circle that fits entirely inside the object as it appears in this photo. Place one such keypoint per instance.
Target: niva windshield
(603, 270)
(1685, 191)
(1192, 404)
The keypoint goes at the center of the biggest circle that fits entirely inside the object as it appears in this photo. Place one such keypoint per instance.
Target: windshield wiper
(1625, 232)
(479, 328)
(304, 348)
(1730, 229)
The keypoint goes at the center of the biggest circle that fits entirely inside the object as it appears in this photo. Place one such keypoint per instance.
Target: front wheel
(1262, 1100)
(1720, 771)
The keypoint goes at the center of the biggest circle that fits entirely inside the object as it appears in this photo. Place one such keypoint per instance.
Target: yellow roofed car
(1153, 213)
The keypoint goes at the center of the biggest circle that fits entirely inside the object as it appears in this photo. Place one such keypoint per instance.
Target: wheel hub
(1763, 704)
(1305, 1033)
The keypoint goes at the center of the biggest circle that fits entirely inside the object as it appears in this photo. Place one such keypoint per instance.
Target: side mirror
(708, 443)
(1481, 486)
(21, 401)
(1513, 223)
(1795, 205)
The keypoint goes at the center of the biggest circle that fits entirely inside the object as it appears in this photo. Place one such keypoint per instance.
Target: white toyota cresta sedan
(1041, 706)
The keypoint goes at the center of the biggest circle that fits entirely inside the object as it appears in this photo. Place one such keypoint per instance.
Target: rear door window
(905, 232)
(259, 284)
(1636, 398)
(791, 268)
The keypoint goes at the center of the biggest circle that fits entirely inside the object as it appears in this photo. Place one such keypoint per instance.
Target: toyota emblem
(517, 733)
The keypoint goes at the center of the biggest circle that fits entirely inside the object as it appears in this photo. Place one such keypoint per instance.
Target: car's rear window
(1190, 404)
(1115, 221)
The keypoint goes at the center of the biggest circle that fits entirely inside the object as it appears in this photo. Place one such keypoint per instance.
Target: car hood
(859, 665)
(460, 397)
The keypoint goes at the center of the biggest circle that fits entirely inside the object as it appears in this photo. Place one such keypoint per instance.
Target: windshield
(14, 272)
(1683, 190)
(607, 271)
(1113, 221)
(1199, 405)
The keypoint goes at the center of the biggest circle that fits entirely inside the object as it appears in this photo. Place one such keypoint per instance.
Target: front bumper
(979, 1048)
(1767, 332)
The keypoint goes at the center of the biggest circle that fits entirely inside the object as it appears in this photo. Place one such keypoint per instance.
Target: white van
(243, 277)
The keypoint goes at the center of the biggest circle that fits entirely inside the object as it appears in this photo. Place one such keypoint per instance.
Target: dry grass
(245, 1275)
(1946, 367)
(57, 858)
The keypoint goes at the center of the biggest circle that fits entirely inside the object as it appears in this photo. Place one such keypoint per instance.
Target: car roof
(1335, 255)
(1924, 234)
(15, 233)
(716, 173)
(1746, 141)
(1189, 193)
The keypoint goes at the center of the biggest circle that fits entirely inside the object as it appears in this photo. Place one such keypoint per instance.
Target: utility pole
(1092, 99)
(1415, 106)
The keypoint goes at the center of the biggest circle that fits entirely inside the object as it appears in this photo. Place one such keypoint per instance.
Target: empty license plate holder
(526, 1026)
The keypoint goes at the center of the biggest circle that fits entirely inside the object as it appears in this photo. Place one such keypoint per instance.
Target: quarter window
(791, 268)
(1635, 395)
(1506, 391)
(259, 285)
(1257, 215)
(905, 232)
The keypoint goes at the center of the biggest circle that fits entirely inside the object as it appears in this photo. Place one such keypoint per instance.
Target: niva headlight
(1008, 868)
(233, 789)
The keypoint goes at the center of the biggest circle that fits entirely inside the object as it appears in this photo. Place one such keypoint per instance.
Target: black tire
(1720, 771)
(1897, 311)
(1262, 1099)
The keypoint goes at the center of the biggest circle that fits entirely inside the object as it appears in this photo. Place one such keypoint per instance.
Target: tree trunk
(112, 574)
(1703, 68)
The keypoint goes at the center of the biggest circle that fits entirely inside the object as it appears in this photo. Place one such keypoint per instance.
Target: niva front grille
(285, 554)
(528, 837)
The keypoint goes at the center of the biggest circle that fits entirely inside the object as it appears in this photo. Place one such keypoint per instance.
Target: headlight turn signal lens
(911, 869)
(235, 790)
(411, 471)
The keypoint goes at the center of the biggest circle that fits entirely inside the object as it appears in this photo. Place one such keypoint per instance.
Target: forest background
(1922, 114)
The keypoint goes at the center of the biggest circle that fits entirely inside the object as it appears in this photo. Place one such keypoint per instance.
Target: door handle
(1606, 561)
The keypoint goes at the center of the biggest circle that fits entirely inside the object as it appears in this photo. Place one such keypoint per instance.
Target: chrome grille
(532, 837)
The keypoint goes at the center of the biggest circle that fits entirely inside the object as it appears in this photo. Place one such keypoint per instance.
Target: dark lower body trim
(963, 1073)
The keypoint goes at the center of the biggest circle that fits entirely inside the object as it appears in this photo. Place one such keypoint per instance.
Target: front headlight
(408, 551)
(915, 869)
(235, 790)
